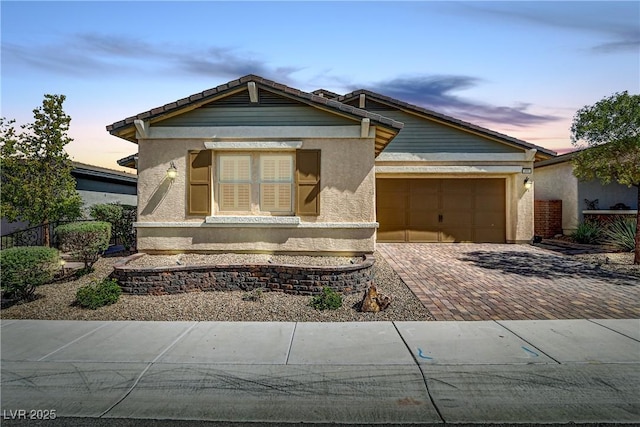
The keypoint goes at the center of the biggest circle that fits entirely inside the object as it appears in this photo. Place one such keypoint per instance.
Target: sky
(515, 67)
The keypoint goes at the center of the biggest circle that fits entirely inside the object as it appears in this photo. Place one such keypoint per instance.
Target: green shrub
(329, 299)
(98, 294)
(589, 232)
(85, 240)
(621, 233)
(25, 267)
(121, 218)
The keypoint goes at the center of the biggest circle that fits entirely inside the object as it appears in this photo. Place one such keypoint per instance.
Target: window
(259, 183)
(234, 183)
(255, 183)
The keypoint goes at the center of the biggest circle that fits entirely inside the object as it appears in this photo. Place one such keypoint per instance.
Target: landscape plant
(37, 185)
(611, 130)
(121, 218)
(84, 240)
(23, 268)
(588, 232)
(621, 233)
(98, 294)
(327, 300)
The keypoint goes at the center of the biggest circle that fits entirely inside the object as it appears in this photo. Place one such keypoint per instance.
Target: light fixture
(528, 183)
(172, 172)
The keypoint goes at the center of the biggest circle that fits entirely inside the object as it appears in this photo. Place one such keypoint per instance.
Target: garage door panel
(489, 235)
(423, 201)
(457, 218)
(392, 234)
(456, 202)
(489, 219)
(456, 234)
(423, 219)
(441, 210)
(395, 217)
(423, 236)
(393, 200)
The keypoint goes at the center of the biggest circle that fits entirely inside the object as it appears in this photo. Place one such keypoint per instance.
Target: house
(254, 165)
(98, 185)
(95, 185)
(555, 181)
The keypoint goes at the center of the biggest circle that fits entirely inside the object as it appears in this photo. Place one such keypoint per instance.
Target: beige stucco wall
(347, 196)
(557, 182)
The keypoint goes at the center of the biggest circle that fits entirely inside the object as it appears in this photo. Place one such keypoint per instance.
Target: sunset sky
(520, 68)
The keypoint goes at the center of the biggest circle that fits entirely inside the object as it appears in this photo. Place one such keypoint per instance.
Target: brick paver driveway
(502, 282)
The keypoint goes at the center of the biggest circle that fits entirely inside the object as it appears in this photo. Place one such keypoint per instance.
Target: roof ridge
(172, 106)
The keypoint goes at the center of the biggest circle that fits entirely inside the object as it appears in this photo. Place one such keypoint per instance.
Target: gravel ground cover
(621, 262)
(56, 299)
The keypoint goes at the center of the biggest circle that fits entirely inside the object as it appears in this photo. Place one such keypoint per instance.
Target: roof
(325, 93)
(129, 161)
(447, 120)
(100, 173)
(386, 128)
(556, 160)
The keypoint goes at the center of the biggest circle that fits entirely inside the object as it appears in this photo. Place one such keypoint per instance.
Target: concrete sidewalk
(554, 371)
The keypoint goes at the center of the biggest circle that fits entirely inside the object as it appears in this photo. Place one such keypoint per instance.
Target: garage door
(441, 210)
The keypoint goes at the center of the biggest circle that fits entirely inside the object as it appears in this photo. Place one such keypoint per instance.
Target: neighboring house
(95, 185)
(554, 180)
(98, 185)
(265, 167)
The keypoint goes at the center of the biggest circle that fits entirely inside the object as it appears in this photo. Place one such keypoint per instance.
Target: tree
(611, 130)
(37, 185)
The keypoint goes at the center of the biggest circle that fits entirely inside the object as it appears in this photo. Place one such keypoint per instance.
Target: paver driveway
(510, 282)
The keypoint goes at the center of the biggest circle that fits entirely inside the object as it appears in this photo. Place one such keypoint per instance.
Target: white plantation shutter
(234, 183)
(276, 180)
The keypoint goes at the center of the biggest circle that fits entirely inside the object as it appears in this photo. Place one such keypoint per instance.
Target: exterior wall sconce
(172, 172)
(528, 183)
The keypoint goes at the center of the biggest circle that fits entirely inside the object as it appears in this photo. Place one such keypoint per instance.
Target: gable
(422, 135)
(270, 110)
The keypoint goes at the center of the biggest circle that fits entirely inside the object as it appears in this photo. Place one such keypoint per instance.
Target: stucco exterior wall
(347, 196)
(607, 195)
(557, 182)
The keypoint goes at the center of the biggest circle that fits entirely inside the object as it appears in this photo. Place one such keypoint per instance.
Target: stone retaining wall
(291, 279)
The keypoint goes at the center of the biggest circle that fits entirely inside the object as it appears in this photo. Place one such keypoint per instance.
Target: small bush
(254, 295)
(85, 240)
(329, 299)
(98, 294)
(588, 233)
(25, 267)
(621, 233)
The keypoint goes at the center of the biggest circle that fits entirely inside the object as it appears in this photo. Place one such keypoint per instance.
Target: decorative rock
(373, 301)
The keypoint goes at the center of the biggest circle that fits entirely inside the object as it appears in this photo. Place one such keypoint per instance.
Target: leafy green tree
(611, 131)
(37, 185)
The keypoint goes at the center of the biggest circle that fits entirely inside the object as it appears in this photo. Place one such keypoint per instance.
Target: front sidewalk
(368, 373)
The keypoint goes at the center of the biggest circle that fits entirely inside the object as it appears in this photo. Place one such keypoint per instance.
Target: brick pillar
(547, 218)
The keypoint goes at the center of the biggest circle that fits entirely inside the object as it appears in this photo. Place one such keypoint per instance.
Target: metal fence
(35, 236)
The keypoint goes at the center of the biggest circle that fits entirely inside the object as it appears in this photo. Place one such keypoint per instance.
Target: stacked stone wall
(291, 279)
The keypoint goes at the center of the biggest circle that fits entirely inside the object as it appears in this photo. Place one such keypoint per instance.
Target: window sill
(253, 221)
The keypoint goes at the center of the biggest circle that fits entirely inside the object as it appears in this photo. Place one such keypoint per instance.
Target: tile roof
(306, 97)
(325, 93)
(100, 172)
(443, 117)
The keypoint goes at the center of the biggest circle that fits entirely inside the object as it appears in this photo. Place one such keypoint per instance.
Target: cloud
(617, 22)
(438, 93)
(93, 54)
